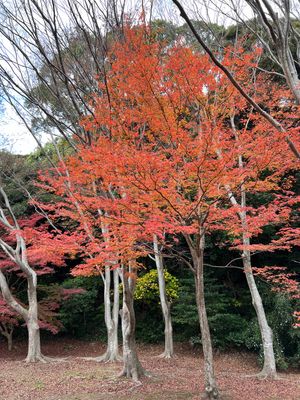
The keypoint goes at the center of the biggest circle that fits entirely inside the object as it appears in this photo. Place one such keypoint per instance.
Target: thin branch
(276, 124)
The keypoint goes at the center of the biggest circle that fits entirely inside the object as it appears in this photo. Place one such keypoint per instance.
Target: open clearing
(177, 379)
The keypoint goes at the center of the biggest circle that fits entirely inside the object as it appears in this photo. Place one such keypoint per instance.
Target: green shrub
(147, 305)
(285, 337)
(147, 288)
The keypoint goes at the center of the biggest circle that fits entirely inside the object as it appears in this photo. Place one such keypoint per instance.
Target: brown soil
(180, 378)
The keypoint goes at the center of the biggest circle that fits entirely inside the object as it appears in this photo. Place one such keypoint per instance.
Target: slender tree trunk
(132, 367)
(111, 313)
(279, 35)
(111, 317)
(290, 71)
(30, 316)
(115, 314)
(269, 367)
(34, 343)
(19, 256)
(211, 389)
(10, 340)
(7, 331)
(165, 305)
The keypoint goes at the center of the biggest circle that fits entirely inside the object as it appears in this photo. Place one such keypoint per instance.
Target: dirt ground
(176, 379)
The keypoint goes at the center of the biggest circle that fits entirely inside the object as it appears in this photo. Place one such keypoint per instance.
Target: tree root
(103, 359)
(165, 355)
(210, 394)
(35, 359)
(134, 374)
(136, 385)
(264, 376)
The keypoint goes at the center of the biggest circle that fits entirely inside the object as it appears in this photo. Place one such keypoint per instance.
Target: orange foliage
(164, 152)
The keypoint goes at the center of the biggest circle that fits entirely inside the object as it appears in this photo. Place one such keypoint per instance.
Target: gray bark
(7, 329)
(18, 255)
(10, 340)
(269, 367)
(132, 367)
(290, 72)
(34, 343)
(111, 317)
(165, 305)
(279, 30)
(111, 312)
(197, 252)
(30, 316)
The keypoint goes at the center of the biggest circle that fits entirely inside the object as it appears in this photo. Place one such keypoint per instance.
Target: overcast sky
(16, 136)
(19, 139)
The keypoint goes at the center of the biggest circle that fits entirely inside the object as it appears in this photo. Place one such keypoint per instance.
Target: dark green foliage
(232, 320)
(82, 315)
(15, 176)
(227, 329)
(184, 313)
(149, 322)
(39, 159)
(211, 33)
(225, 319)
(164, 31)
(279, 309)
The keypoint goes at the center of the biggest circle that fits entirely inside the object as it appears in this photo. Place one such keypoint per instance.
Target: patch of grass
(73, 374)
(68, 346)
(39, 385)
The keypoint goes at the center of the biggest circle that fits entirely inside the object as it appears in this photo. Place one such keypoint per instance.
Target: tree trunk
(34, 343)
(269, 367)
(7, 329)
(115, 316)
(111, 317)
(290, 71)
(132, 367)
(165, 305)
(10, 340)
(279, 35)
(30, 316)
(211, 389)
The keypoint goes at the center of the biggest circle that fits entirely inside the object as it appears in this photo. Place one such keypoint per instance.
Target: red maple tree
(167, 159)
